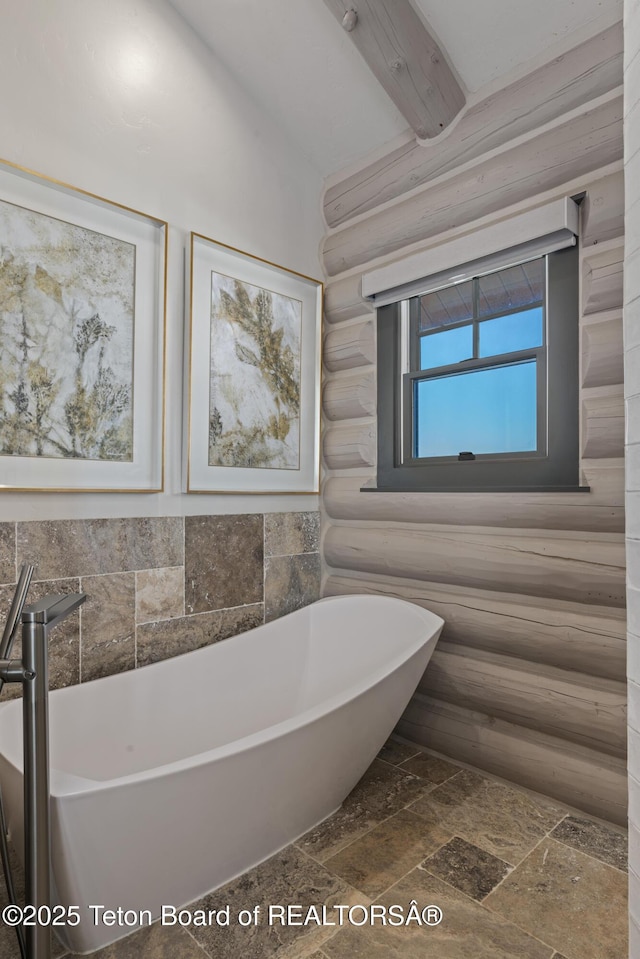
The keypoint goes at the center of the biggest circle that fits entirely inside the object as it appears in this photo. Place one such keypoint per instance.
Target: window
(478, 381)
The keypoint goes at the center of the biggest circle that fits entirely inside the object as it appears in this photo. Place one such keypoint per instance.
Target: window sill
(477, 489)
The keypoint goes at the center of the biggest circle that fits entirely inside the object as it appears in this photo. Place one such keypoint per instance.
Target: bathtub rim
(67, 785)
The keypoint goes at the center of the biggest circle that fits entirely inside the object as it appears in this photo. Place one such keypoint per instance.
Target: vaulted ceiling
(294, 58)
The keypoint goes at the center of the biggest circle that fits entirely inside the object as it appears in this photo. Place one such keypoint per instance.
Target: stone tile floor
(516, 875)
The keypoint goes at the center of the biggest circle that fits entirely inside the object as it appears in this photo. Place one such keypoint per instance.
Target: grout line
(184, 560)
(60, 579)
(199, 945)
(593, 858)
(80, 621)
(481, 902)
(418, 865)
(346, 846)
(398, 765)
(377, 824)
(135, 598)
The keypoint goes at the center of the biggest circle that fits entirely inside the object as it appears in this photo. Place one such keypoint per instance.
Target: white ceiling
(295, 60)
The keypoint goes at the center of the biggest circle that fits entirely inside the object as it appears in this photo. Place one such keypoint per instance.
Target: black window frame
(553, 466)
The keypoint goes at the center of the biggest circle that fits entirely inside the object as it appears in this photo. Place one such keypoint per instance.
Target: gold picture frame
(82, 339)
(252, 422)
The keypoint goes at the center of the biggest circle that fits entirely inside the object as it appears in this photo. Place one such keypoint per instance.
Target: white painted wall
(120, 98)
(632, 451)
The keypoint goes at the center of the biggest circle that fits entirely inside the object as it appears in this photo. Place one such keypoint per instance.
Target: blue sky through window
(481, 411)
(449, 346)
(506, 334)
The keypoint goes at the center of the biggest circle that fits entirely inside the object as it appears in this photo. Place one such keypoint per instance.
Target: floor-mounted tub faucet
(38, 620)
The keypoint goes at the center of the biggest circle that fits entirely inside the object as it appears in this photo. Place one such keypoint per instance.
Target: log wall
(528, 680)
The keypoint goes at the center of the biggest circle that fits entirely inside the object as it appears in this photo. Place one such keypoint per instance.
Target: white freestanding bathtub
(170, 780)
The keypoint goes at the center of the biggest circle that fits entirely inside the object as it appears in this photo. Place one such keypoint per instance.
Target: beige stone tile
(89, 547)
(289, 878)
(382, 791)
(153, 942)
(159, 594)
(288, 533)
(595, 839)
(303, 950)
(8, 570)
(290, 582)
(9, 690)
(387, 853)
(108, 641)
(64, 640)
(431, 768)
(506, 822)
(470, 869)
(395, 752)
(157, 641)
(572, 902)
(467, 929)
(224, 558)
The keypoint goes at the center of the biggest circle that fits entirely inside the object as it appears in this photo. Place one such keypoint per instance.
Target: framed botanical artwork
(82, 340)
(253, 403)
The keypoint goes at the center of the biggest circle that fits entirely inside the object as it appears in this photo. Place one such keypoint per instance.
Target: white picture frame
(252, 399)
(89, 278)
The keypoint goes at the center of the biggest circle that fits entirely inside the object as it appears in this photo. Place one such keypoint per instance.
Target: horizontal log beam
(554, 633)
(602, 280)
(571, 147)
(601, 510)
(343, 300)
(350, 447)
(347, 347)
(569, 705)
(348, 397)
(603, 210)
(602, 352)
(588, 568)
(588, 71)
(603, 424)
(581, 777)
(405, 59)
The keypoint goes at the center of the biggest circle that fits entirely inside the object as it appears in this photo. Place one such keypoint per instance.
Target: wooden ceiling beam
(405, 59)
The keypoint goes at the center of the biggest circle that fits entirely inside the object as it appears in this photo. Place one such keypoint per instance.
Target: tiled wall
(158, 587)
(631, 322)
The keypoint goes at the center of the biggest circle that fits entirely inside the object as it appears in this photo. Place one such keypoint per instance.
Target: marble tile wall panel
(157, 641)
(136, 574)
(94, 546)
(289, 533)
(108, 625)
(64, 640)
(7, 552)
(224, 561)
(159, 594)
(290, 583)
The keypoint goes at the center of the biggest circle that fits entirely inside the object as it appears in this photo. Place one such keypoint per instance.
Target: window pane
(480, 411)
(511, 289)
(450, 346)
(452, 305)
(506, 334)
